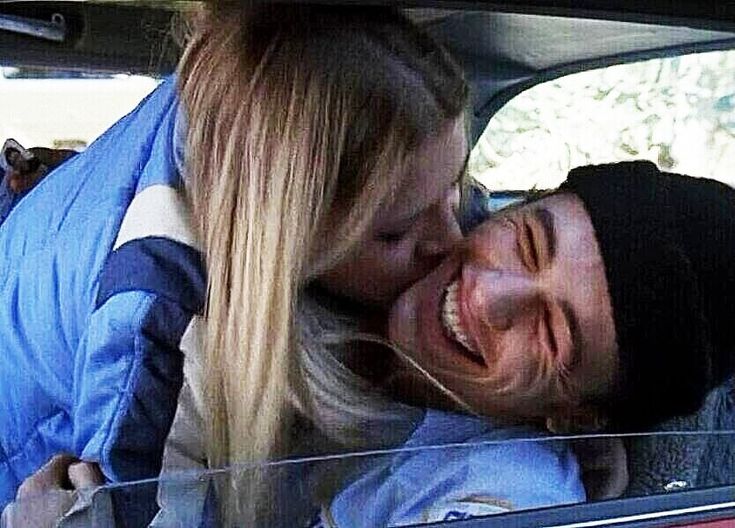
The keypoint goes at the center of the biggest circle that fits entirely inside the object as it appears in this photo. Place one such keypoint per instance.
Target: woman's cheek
(398, 268)
(414, 266)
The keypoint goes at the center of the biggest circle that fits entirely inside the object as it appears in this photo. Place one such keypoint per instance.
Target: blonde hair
(298, 117)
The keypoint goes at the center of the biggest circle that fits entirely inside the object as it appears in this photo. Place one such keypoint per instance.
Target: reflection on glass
(416, 484)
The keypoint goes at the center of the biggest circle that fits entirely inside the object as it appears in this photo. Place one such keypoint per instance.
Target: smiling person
(606, 302)
(557, 312)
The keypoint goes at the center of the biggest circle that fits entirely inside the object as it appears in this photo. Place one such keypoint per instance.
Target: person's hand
(24, 174)
(47, 495)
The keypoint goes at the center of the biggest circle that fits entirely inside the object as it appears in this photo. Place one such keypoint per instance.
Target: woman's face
(412, 234)
(518, 321)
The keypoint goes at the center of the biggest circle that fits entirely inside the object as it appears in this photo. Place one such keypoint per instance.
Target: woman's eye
(392, 237)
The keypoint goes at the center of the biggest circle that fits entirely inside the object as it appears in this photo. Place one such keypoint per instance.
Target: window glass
(419, 485)
(678, 112)
(65, 109)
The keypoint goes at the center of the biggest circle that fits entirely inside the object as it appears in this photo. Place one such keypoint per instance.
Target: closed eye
(526, 244)
(551, 336)
(392, 237)
(531, 245)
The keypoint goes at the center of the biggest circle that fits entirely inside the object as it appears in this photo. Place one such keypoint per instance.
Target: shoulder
(478, 469)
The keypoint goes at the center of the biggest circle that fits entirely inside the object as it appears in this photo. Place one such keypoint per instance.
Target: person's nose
(442, 235)
(438, 243)
(499, 298)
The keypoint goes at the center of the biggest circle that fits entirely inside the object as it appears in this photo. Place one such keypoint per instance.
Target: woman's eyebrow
(546, 220)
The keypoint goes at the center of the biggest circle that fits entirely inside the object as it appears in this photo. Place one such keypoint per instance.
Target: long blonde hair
(298, 117)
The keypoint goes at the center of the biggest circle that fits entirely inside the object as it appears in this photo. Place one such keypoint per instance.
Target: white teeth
(451, 320)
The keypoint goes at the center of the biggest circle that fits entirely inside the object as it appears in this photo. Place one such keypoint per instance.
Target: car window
(678, 112)
(400, 487)
(63, 108)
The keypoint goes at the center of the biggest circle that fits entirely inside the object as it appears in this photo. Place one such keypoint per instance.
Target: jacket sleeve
(128, 371)
(182, 493)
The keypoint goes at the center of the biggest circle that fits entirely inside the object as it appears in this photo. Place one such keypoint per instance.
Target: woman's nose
(441, 236)
(499, 298)
(439, 243)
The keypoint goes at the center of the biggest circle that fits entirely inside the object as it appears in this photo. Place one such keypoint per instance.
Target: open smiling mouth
(452, 324)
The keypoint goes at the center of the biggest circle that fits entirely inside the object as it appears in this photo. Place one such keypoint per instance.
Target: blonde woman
(336, 190)
(300, 149)
(330, 157)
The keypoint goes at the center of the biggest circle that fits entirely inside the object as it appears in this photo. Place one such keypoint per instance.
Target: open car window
(676, 111)
(44, 107)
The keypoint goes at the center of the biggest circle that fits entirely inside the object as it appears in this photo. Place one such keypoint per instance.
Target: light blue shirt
(485, 469)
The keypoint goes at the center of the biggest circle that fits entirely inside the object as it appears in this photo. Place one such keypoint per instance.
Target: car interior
(643, 57)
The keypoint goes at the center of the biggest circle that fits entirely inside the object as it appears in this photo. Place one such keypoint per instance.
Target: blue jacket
(450, 467)
(97, 290)
(100, 278)
(457, 467)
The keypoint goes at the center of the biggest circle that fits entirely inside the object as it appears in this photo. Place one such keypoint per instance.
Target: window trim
(693, 506)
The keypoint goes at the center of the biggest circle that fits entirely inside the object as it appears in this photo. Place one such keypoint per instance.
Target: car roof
(504, 46)
(503, 53)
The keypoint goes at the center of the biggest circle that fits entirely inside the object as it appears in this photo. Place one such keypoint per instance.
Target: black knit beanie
(668, 245)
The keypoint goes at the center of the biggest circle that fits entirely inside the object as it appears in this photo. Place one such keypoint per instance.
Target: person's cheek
(375, 275)
(511, 359)
(417, 264)
(399, 268)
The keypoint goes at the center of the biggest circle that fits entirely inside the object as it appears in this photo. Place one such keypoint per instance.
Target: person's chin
(417, 310)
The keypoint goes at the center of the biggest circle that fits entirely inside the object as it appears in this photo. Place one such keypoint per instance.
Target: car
(521, 57)
(56, 103)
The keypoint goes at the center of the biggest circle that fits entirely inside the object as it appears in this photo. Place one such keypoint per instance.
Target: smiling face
(518, 322)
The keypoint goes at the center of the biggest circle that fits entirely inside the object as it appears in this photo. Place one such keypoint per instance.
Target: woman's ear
(581, 419)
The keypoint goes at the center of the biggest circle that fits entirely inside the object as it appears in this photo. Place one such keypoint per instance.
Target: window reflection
(402, 487)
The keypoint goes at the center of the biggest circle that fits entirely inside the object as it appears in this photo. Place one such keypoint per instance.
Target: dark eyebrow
(546, 219)
(462, 174)
(574, 331)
